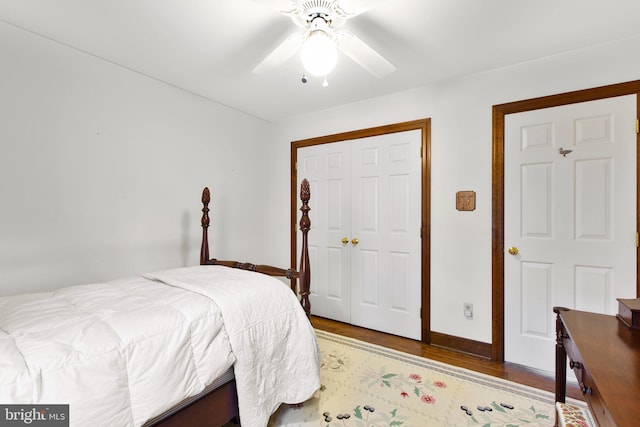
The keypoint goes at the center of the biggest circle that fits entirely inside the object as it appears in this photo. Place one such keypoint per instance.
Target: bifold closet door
(328, 169)
(364, 242)
(385, 220)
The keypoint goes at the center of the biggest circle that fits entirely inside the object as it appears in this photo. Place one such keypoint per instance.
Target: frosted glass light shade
(319, 54)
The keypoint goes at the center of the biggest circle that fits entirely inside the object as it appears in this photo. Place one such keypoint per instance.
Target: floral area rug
(365, 385)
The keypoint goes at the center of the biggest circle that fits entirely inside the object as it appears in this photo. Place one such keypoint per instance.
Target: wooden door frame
(498, 117)
(425, 126)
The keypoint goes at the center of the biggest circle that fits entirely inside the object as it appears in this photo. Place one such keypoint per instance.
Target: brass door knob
(345, 240)
(513, 250)
(355, 241)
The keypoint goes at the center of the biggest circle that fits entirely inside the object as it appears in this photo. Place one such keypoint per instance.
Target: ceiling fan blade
(276, 5)
(280, 54)
(357, 7)
(291, 8)
(352, 46)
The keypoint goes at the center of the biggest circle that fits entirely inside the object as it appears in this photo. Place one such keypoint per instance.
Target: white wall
(460, 110)
(101, 170)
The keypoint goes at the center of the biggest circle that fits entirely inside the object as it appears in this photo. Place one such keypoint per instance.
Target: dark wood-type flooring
(505, 370)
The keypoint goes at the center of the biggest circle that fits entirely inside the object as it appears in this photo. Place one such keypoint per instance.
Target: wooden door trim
(425, 126)
(498, 118)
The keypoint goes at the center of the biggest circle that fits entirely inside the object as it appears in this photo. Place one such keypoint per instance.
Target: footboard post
(204, 248)
(561, 358)
(305, 226)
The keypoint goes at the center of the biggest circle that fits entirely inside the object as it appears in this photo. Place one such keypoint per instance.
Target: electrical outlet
(468, 310)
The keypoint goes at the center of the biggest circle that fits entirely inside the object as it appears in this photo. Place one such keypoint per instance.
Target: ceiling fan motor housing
(314, 9)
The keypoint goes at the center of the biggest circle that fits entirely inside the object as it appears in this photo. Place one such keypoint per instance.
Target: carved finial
(204, 248)
(206, 198)
(305, 195)
(305, 191)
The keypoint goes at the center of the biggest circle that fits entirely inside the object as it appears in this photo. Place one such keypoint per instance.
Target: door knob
(355, 241)
(513, 250)
(345, 240)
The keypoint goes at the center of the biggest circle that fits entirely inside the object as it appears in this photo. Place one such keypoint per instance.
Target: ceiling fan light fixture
(319, 53)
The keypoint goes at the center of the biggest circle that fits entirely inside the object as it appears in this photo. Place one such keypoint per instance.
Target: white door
(327, 167)
(364, 242)
(570, 213)
(385, 218)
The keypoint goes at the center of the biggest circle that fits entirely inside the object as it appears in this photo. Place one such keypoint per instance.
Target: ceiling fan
(322, 36)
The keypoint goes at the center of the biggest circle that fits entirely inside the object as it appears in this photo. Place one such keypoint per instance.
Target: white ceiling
(209, 47)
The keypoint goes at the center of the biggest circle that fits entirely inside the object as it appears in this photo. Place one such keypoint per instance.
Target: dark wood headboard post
(204, 248)
(305, 226)
(303, 274)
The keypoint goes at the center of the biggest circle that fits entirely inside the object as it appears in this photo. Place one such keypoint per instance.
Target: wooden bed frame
(220, 405)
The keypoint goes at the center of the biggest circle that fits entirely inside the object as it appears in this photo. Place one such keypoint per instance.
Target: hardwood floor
(505, 370)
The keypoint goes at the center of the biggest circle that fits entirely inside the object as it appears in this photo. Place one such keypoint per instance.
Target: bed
(190, 346)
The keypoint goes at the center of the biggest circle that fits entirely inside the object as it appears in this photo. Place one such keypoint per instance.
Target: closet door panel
(327, 167)
(386, 222)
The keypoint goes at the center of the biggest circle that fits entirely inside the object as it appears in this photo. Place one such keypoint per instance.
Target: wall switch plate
(468, 310)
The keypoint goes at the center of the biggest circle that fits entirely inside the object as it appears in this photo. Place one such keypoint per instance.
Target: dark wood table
(604, 354)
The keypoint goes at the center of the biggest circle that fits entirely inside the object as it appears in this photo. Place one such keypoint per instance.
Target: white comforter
(124, 351)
